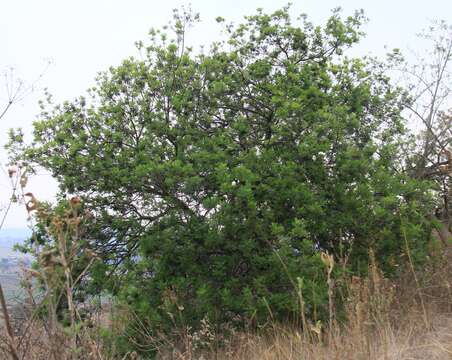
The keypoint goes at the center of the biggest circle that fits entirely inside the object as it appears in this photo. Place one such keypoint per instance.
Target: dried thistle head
(328, 261)
(31, 204)
(48, 258)
(75, 202)
(12, 170)
(31, 273)
(57, 222)
(75, 221)
(317, 328)
(23, 180)
(42, 213)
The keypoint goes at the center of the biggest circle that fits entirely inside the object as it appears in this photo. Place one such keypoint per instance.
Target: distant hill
(10, 237)
(11, 261)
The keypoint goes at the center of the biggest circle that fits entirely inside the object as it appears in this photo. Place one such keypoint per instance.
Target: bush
(215, 180)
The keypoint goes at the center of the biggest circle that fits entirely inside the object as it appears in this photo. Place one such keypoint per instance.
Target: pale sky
(84, 37)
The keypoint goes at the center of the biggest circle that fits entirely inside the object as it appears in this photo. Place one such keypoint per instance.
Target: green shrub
(214, 180)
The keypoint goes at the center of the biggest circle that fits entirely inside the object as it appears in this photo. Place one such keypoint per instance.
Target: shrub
(216, 179)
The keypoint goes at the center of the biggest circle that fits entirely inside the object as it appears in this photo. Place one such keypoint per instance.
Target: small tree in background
(430, 99)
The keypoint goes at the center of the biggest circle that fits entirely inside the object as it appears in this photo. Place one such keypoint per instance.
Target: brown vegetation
(406, 318)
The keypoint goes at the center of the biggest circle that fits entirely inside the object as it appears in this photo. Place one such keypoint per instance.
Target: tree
(428, 83)
(216, 180)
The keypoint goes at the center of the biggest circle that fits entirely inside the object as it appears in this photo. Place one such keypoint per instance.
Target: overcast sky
(84, 37)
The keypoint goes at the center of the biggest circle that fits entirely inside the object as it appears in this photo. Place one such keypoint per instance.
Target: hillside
(11, 261)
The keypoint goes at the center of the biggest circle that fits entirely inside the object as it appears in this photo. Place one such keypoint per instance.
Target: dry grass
(409, 319)
(406, 319)
(384, 342)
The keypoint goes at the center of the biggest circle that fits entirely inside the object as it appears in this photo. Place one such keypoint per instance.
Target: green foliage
(216, 179)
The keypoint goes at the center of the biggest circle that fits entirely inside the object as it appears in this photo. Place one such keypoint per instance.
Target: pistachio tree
(216, 179)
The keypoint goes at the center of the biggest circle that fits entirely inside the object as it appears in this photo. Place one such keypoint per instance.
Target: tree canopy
(216, 179)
